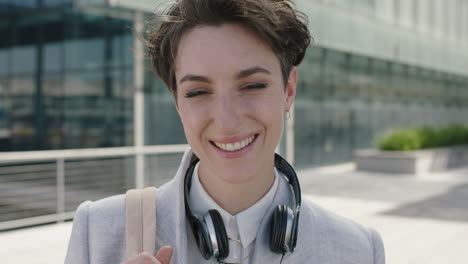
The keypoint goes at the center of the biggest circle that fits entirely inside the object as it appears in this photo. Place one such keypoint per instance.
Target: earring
(287, 115)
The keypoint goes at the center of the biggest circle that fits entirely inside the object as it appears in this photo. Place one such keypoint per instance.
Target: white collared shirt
(241, 228)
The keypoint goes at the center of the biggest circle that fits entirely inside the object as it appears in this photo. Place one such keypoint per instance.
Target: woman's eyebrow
(252, 70)
(194, 78)
(241, 74)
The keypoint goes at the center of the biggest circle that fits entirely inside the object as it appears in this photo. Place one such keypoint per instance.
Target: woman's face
(231, 99)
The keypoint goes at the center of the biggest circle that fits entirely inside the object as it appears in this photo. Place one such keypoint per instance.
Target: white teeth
(230, 147)
(243, 144)
(236, 145)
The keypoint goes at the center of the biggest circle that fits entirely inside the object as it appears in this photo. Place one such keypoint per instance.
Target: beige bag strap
(140, 221)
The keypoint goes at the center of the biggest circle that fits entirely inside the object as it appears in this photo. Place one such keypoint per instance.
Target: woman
(231, 66)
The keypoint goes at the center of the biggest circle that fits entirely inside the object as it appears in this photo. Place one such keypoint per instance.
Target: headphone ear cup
(295, 227)
(221, 235)
(202, 237)
(278, 224)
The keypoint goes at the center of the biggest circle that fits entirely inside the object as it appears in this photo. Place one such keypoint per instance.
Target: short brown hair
(276, 22)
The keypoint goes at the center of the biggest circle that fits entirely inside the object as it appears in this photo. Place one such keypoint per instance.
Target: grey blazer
(98, 235)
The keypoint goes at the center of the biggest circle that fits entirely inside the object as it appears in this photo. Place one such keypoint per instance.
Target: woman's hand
(162, 257)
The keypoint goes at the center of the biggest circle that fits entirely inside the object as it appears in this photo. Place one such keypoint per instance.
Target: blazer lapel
(171, 212)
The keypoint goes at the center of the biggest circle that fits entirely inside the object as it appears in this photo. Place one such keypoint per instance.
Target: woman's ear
(291, 88)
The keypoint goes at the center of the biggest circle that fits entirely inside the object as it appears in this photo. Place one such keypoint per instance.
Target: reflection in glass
(24, 3)
(83, 108)
(84, 54)
(54, 109)
(22, 112)
(24, 59)
(362, 98)
(162, 122)
(53, 57)
(4, 61)
(55, 3)
(5, 115)
(335, 75)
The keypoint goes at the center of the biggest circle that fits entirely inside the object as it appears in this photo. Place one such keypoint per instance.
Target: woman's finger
(142, 258)
(164, 254)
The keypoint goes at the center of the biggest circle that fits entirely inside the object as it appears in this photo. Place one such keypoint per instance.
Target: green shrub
(426, 137)
(429, 137)
(407, 139)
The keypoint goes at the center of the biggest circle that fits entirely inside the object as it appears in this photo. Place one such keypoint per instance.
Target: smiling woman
(231, 66)
(238, 95)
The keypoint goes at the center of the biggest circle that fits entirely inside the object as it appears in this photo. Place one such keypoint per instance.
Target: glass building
(65, 77)
(72, 77)
(378, 65)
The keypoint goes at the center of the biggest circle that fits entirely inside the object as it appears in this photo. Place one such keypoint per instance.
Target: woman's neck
(236, 197)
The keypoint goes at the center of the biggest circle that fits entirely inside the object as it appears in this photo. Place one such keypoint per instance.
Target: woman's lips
(235, 148)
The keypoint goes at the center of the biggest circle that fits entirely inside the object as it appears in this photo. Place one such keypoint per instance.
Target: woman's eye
(255, 86)
(195, 93)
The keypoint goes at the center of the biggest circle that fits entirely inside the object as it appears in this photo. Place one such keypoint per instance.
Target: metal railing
(38, 187)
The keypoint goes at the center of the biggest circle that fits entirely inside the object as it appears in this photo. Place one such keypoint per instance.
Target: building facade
(378, 65)
(67, 75)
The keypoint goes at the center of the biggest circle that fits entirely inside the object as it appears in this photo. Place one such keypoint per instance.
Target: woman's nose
(227, 114)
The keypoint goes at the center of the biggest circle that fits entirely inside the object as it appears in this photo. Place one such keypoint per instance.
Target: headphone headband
(187, 185)
(288, 171)
(280, 163)
(279, 244)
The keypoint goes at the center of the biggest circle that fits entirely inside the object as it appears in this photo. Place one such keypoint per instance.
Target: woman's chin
(236, 179)
(238, 174)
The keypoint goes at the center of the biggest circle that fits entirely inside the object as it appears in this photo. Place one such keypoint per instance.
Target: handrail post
(60, 189)
(138, 101)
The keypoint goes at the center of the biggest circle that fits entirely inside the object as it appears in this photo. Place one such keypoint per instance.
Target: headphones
(210, 232)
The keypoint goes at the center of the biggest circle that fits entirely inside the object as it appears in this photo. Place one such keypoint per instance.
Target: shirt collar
(248, 221)
(200, 201)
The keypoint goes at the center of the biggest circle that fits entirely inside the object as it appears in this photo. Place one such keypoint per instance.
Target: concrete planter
(411, 162)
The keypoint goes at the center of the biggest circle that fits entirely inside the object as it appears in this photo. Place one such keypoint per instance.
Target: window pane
(4, 62)
(122, 54)
(335, 75)
(22, 108)
(359, 79)
(53, 57)
(5, 115)
(24, 59)
(24, 3)
(163, 124)
(310, 83)
(85, 54)
(52, 3)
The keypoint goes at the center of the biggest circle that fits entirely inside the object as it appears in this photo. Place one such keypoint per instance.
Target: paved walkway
(421, 219)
